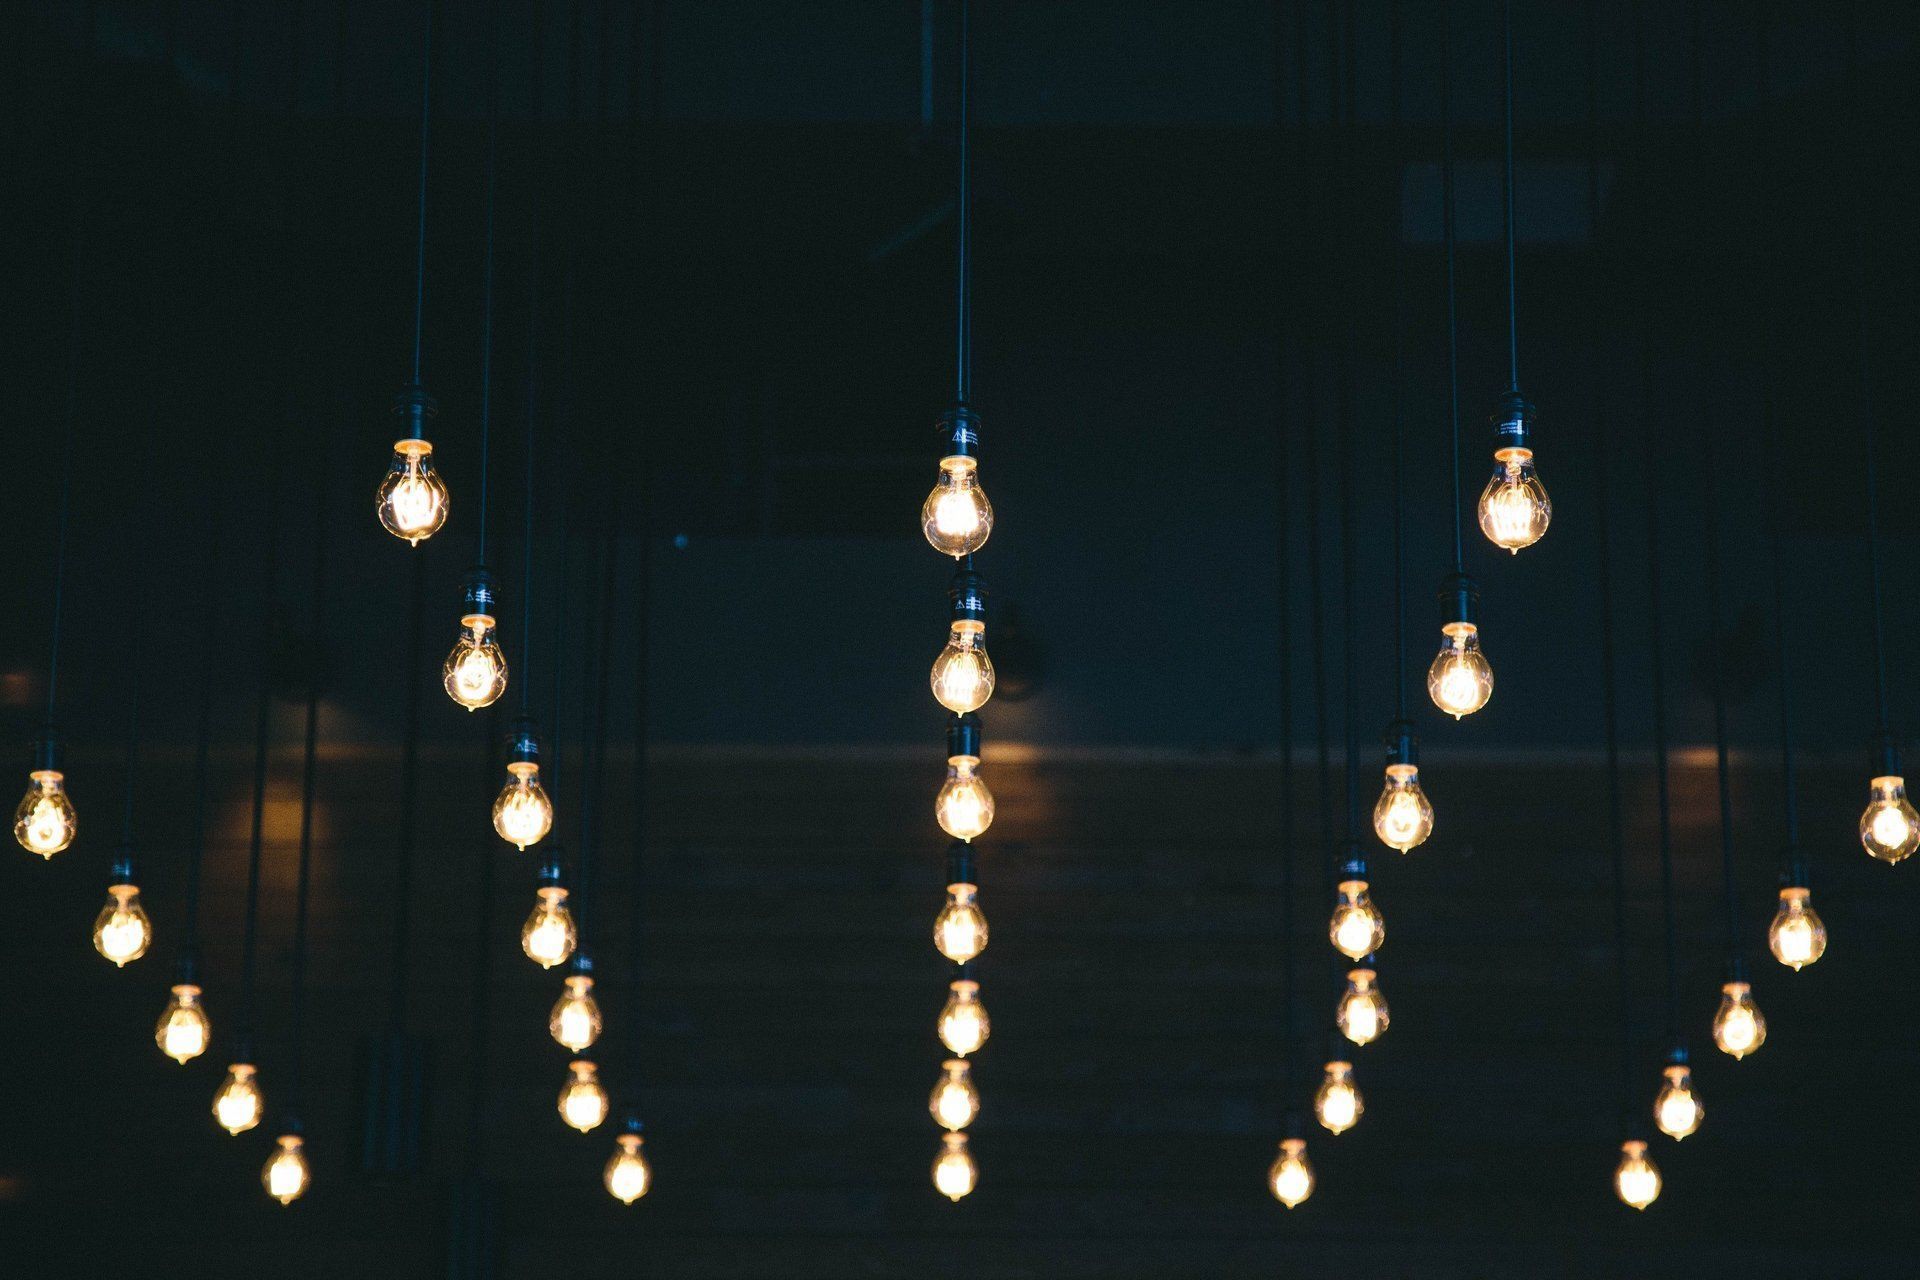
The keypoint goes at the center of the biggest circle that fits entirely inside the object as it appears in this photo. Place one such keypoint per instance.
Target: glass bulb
(1514, 507)
(548, 937)
(522, 813)
(1738, 1026)
(1636, 1180)
(583, 1103)
(954, 1101)
(122, 932)
(412, 499)
(575, 1021)
(475, 672)
(1797, 936)
(1290, 1177)
(1357, 927)
(1337, 1103)
(183, 1030)
(287, 1175)
(1890, 829)
(963, 674)
(953, 1170)
(238, 1104)
(1362, 1015)
(963, 1022)
(1460, 680)
(45, 822)
(956, 516)
(960, 930)
(627, 1175)
(1675, 1109)
(964, 806)
(1402, 816)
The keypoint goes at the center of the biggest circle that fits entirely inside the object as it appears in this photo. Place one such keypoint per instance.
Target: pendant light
(412, 498)
(122, 931)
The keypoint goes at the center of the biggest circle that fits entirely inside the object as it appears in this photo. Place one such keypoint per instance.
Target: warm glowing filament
(960, 930)
(1402, 817)
(627, 1175)
(1357, 926)
(956, 517)
(1460, 680)
(475, 672)
(286, 1175)
(583, 1103)
(1738, 1027)
(953, 1170)
(183, 1030)
(1337, 1104)
(962, 674)
(963, 1022)
(522, 813)
(1362, 1013)
(412, 501)
(1797, 936)
(548, 936)
(955, 1102)
(238, 1104)
(1514, 507)
(1291, 1178)
(1636, 1181)
(122, 931)
(964, 807)
(1890, 829)
(45, 822)
(575, 1021)
(1676, 1110)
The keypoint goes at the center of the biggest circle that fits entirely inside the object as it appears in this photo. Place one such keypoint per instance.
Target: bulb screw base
(549, 875)
(1512, 421)
(416, 409)
(1678, 1056)
(186, 968)
(49, 753)
(963, 735)
(960, 427)
(122, 868)
(581, 966)
(632, 1125)
(477, 594)
(960, 866)
(1737, 969)
(968, 591)
(1402, 746)
(1354, 865)
(1459, 598)
(1794, 870)
(523, 741)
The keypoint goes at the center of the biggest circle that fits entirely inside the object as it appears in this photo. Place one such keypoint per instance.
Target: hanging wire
(1447, 227)
(532, 376)
(420, 230)
(303, 875)
(1350, 714)
(963, 228)
(486, 307)
(1398, 266)
(1506, 200)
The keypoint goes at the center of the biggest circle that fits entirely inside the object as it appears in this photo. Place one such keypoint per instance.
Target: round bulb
(1402, 816)
(575, 1020)
(963, 1022)
(1890, 829)
(953, 1170)
(1337, 1104)
(954, 1101)
(412, 498)
(1797, 937)
(627, 1175)
(960, 930)
(287, 1175)
(1357, 927)
(183, 1030)
(45, 822)
(1460, 680)
(1738, 1026)
(1636, 1180)
(1675, 1109)
(475, 672)
(522, 814)
(1290, 1177)
(1514, 507)
(964, 807)
(583, 1103)
(1362, 1015)
(963, 674)
(548, 937)
(122, 932)
(238, 1104)
(956, 516)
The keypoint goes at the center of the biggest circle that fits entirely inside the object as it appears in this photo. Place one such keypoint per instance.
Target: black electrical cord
(963, 227)
(420, 229)
(1447, 231)
(1506, 200)
(486, 307)
(1398, 268)
(1283, 657)
(532, 376)
(1349, 435)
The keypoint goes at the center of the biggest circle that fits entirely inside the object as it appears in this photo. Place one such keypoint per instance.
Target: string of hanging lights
(122, 931)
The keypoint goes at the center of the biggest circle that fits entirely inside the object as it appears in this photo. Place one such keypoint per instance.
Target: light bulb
(1337, 1103)
(583, 1103)
(956, 516)
(1514, 507)
(1890, 829)
(954, 1101)
(522, 814)
(1675, 1109)
(475, 672)
(412, 499)
(963, 674)
(953, 1170)
(1357, 927)
(1636, 1180)
(1402, 816)
(1738, 1025)
(1797, 937)
(960, 930)
(287, 1175)
(548, 936)
(575, 1021)
(963, 1022)
(1460, 680)
(183, 1030)
(1362, 1015)
(238, 1104)
(964, 806)
(45, 822)
(122, 932)
(627, 1175)
(1290, 1177)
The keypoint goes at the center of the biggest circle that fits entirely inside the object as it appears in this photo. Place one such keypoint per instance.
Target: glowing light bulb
(1675, 1109)
(475, 672)
(1797, 936)
(583, 1103)
(627, 1176)
(963, 674)
(1362, 1015)
(964, 807)
(1636, 1180)
(956, 516)
(963, 1022)
(286, 1176)
(45, 822)
(1337, 1104)
(953, 1170)
(1357, 927)
(1890, 829)
(954, 1101)
(412, 498)
(1460, 680)
(522, 813)
(548, 937)
(1738, 1026)
(1514, 507)
(575, 1021)
(183, 1030)
(1290, 1177)
(239, 1104)
(1402, 816)
(122, 932)
(960, 930)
